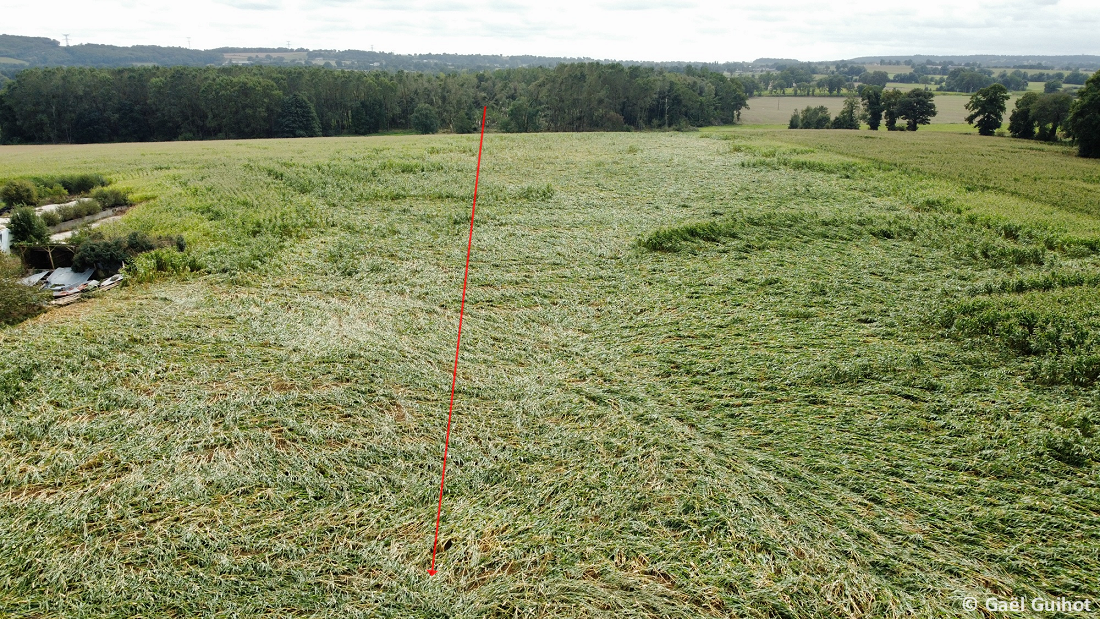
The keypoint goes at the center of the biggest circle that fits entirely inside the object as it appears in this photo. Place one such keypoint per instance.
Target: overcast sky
(604, 29)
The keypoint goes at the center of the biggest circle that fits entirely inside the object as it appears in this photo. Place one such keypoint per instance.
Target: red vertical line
(458, 343)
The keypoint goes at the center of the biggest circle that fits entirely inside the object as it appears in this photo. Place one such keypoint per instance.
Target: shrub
(104, 255)
(51, 193)
(109, 197)
(159, 262)
(17, 302)
(27, 227)
(19, 192)
(138, 242)
(111, 254)
(424, 119)
(51, 218)
(81, 183)
(82, 208)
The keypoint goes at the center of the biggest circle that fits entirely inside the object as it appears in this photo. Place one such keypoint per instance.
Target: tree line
(873, 106)
(1048, 116)
(87, 105)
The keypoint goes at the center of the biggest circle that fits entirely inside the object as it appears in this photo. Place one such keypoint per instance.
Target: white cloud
(616, 29)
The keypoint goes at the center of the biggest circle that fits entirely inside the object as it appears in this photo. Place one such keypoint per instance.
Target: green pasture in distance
(743, 372)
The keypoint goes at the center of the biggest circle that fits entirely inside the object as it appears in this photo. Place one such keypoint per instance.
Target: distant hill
(1081, 61)
(40, 51)
(19, 52)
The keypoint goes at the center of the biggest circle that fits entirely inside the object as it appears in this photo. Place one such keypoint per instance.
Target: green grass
(733, 373)
(1048, 177)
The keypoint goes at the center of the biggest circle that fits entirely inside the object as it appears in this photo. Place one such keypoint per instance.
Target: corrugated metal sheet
(31, 280)
(67, 277)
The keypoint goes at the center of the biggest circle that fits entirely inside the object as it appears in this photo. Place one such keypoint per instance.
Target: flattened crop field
(721, 374)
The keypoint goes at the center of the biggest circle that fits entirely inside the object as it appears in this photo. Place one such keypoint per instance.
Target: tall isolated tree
(987, 108)
(1083, 124)
(872, 105)
(916, 108)
(297, 118)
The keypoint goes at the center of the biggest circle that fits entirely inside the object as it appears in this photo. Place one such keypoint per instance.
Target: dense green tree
(987, 108)
(27, 227)
(1052, 86)
(964, 79)
(60, 105)
(916, 108)
(848, 117)
(1076, 77)
(521, 117)
(795, 121)
(1013, 81)
(872, 105)
(1050, 112)
(369, 114)
(1083, 124)
(424, 119)
(1020, 123)
(815, 118)
(874, 78)
(891, 100)
(246, 105)
(297, 118)
(464, 122)
(19, 192)
(833, 84)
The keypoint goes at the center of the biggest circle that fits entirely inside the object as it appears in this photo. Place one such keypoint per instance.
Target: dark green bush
(111, 254)
(71, 184)
(17, 302)
(51, 218)
(82, 208)
(138, 242)
(104, 255)
(82, 183)
(51, 193)
(110, 197)
(19, 192)
(27, 227)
